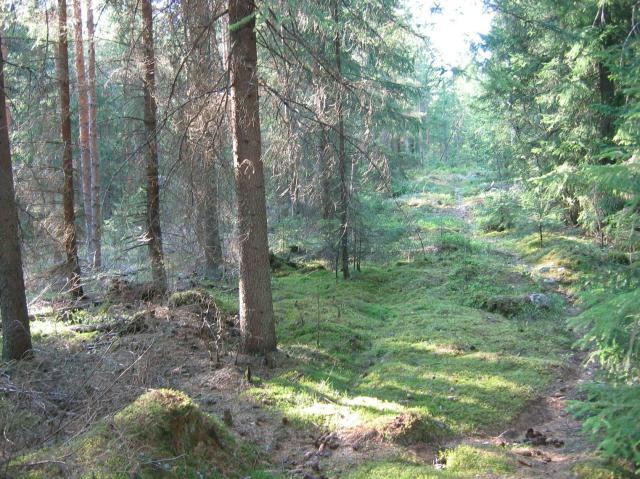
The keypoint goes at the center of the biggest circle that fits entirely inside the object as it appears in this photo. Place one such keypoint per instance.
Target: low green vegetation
(410, 346)
(462, 462)
(162, 434)
(443, 344)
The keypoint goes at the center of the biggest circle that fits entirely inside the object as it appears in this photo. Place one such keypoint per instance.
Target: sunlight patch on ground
(374, 403)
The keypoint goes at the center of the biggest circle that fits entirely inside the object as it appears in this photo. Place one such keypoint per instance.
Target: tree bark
(5, 51)
(325, 175)
(342, 160)
(257, 322)
(16, 337)
(83, 116)
(96, 206)
(154, 234)
(202, 66)
(212, 246)
(323, 163)
(70, 243)
(606, 86)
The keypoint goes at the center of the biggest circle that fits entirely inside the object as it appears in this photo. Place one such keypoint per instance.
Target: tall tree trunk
(256, 308)
(5, 51)
(96, 206)
(323, 164)
(342, 159)
(325, 174)
(203, 66)
(70, 243)
(212, 246)
(606, 86)
(83, 115)
(16, 337)
(154, 234)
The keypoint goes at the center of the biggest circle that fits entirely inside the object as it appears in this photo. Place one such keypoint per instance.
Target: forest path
(547, 414)
(359, 360)
(419, 341)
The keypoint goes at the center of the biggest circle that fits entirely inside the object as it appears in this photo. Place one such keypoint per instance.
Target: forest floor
(454, 361)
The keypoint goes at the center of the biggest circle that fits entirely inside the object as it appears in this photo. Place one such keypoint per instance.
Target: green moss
(161, 434)
(191, 296)
(226, 300)
(462, 462)
(599, 470)
(414, 427)
(419, 349)
(397, 469)
(469, 460)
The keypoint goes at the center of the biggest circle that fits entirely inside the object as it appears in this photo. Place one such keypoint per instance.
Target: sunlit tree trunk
(83, 115)
(70, 243)
(16, 337)
(96, 211)
(154, 235)
(256, 307)
(5, 51)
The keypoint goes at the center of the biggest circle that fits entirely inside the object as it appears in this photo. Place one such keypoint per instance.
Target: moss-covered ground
(409, 336)
(412, 337)
(161, 434)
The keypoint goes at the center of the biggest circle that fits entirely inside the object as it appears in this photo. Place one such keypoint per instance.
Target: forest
(320, 239)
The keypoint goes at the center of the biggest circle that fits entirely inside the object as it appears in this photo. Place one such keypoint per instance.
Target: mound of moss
(191, 296)
(161, 434)
(412, 428)
(510, 306)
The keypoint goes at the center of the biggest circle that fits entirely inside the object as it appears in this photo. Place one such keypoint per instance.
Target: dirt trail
(546, 414)
(171, 352)
(561, 445)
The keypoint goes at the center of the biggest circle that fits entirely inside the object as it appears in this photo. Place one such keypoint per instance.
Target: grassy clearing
(463, 462)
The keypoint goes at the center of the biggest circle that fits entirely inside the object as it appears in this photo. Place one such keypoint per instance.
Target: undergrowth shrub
(450, 241)
(612, 332)
(611, 411)
(499, 211)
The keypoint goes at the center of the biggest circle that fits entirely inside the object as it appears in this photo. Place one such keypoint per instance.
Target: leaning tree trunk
(16, 337)
(256, 308)
(70, 244)
(96, 206)
(83, 115)
(342, 157)
(154, 235)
